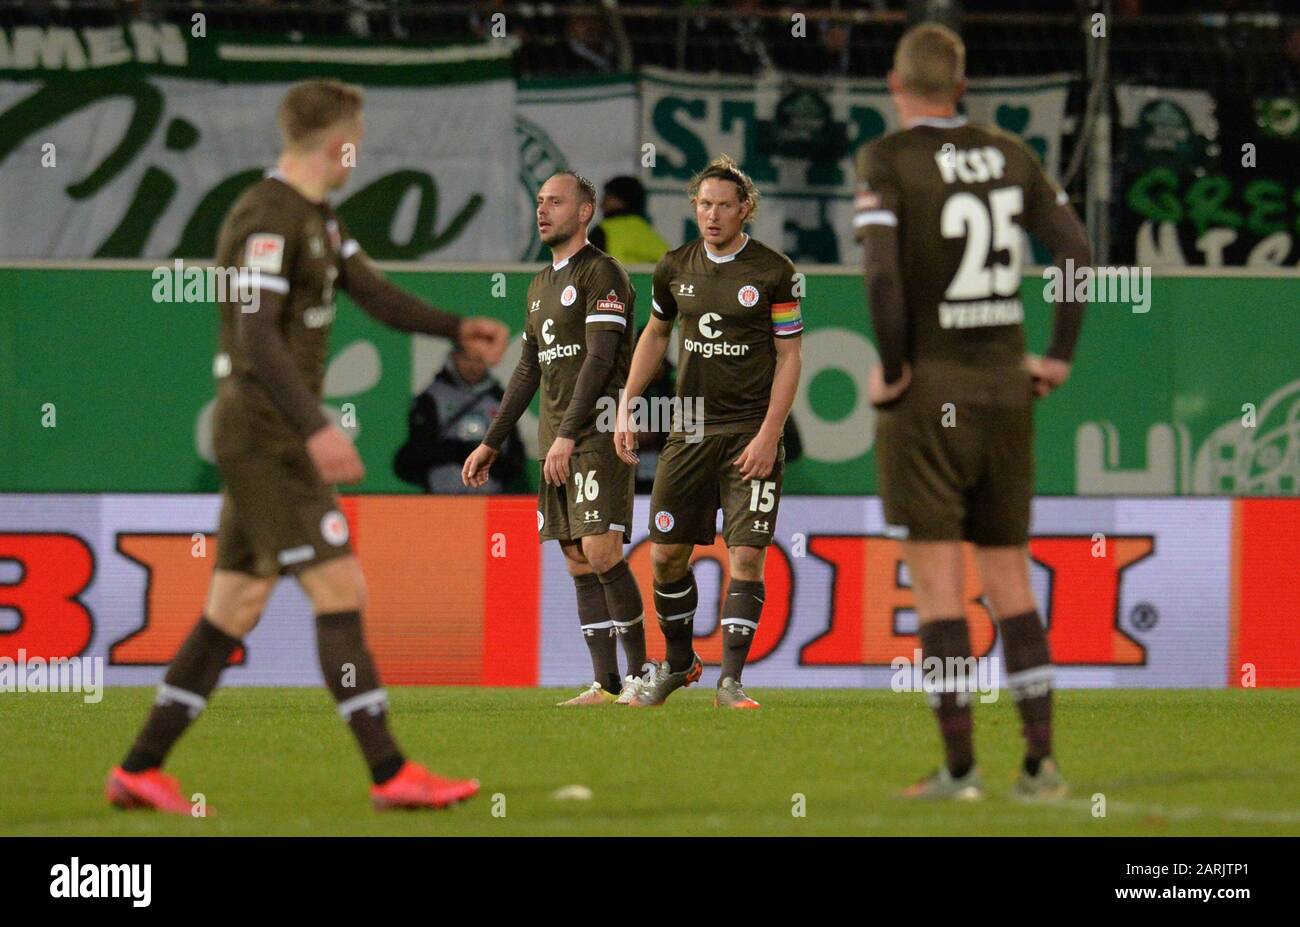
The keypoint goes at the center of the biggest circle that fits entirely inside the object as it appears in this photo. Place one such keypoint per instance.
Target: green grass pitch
(279, 761)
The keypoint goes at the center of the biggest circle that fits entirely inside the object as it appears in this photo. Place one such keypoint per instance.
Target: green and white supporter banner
(588, 125)
(1211, 181)
(797, 140)
(133, 143)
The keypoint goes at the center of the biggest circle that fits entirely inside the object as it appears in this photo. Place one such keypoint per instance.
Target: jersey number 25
(965, 216)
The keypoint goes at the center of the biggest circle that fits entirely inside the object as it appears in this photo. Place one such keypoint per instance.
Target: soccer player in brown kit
(940, 209)
(578, 332)
(740, 341)
(279, 455)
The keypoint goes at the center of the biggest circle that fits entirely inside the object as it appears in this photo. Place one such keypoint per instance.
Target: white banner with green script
(133, 142)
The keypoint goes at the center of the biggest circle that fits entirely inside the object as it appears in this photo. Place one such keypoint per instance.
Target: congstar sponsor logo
(547, 355)
(709, 326)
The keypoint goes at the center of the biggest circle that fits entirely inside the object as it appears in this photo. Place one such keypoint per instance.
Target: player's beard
(559, 234)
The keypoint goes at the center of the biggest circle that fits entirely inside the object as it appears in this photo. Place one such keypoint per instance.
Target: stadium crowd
(1215, 43)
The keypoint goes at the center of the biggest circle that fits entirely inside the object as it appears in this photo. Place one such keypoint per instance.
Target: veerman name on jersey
(980, 314)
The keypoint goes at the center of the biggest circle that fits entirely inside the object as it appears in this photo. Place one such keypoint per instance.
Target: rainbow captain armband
(787, 319)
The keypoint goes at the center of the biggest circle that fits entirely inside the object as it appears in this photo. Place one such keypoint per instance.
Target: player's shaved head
(930, 62)
(584, 189)
(312, 107)
(559, 207)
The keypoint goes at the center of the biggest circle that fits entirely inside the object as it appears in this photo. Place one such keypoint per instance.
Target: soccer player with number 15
(740, 360)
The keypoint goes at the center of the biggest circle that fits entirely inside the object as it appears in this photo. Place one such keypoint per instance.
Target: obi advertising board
(1137, 592)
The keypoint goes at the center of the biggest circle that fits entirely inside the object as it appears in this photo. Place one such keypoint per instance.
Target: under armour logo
(537, 304)
(737, 629)
(762, 526)
(686, 289)
(591, 516)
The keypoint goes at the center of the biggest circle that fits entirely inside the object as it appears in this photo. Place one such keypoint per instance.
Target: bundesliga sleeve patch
(264, 252)
(787, 318)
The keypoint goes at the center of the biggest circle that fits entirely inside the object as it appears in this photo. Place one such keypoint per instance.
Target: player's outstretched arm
(519, 393)
(484, 338)
(388, 303)
(649, 354)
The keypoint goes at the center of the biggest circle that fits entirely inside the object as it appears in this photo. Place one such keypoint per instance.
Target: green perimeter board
(125, 378)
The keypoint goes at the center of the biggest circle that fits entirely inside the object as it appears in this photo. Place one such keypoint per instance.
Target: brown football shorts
(955, 456)
(695, 479)
(595, 499)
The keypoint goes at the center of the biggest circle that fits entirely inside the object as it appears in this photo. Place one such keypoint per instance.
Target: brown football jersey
(589, 291)
(299, 251)
(731, 309)
(961, 196)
